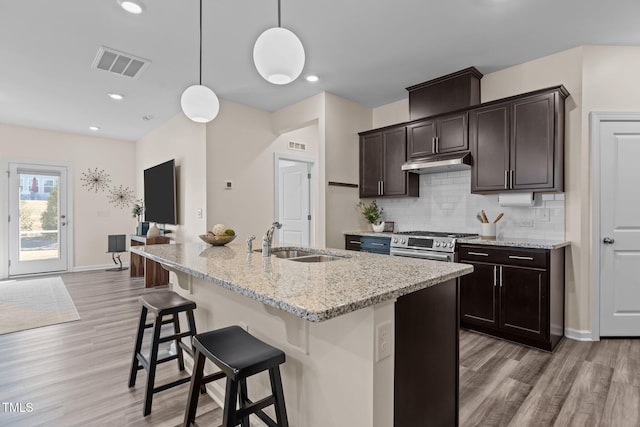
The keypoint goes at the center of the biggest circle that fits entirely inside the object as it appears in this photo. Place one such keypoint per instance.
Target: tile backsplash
(446, 204)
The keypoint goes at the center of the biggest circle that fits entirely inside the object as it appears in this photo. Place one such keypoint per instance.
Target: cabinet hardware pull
(506, 179)
(526, 258)
(377, 244)
(495, 275)
(379, 192)
(382, 185)
(437, 144)
(478, 253)
(511, 173)
(354, 242)
(501, 276)
(433, 144)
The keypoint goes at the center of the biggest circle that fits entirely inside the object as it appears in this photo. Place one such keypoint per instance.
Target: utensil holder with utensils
(487, 228)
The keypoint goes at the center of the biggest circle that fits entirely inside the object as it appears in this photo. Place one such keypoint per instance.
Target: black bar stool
(239, 355)
(160, 304)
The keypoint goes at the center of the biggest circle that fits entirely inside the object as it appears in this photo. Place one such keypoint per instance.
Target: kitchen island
(370, 340)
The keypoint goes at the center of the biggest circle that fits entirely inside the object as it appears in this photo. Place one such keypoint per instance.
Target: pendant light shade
(278, 55)
(198, 102)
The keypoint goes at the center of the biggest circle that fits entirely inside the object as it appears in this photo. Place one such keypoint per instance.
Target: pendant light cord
(201, 42)
(279, 25)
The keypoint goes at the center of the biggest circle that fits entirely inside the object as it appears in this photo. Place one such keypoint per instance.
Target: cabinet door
(523, 302)
(478, 296)
(394, 155)
(452, 133)
(420, 139)
(371, 163)
(352, 242)
(533, 142)
(489, 138)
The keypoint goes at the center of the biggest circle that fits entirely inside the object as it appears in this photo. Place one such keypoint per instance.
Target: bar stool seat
(239, 355)
(161, 304)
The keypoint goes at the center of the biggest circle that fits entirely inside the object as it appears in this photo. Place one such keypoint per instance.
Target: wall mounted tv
(160, 193)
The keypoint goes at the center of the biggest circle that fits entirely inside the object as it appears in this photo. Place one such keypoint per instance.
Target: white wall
(344, 119)
(93, 217)
(182, 140)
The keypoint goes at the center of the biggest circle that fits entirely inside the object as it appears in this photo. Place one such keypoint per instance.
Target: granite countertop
(386, 234)
(312, 291)
(518, 243)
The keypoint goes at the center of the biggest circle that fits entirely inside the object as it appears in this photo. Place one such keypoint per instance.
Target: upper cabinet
(518, 143)
(455, 91)
(382, 153)
(441, 135)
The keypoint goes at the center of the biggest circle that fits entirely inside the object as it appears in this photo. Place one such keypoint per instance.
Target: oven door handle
(422, 255)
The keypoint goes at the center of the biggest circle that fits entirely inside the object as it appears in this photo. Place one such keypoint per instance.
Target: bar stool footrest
(172, 384)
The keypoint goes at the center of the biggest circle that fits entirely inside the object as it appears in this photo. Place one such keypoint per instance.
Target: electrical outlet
(542, 214)
(384, 340)
(228, 184)
(199, 213)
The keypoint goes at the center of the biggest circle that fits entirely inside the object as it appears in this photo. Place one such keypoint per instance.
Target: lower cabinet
(376, 245)
(514, 293)
(352, 242)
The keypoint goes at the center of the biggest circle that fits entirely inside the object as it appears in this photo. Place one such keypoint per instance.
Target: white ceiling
(364, 50)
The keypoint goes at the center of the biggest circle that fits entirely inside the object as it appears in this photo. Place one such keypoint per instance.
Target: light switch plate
(384, 341)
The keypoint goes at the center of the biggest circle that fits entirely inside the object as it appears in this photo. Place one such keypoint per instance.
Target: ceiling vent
(298, 146)
(118, 62)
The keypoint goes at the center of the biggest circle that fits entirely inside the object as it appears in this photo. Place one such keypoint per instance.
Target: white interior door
(38, 235)
(620, 229)
(294, 210)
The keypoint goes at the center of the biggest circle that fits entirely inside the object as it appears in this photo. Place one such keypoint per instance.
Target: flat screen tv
(160, 193)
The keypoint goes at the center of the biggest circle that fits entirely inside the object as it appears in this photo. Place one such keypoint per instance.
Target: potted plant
(137, 211)
(372, 213)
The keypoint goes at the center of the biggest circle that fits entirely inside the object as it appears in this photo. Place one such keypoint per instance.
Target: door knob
(608, 241)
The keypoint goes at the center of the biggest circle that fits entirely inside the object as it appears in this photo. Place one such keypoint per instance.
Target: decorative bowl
(216, 240)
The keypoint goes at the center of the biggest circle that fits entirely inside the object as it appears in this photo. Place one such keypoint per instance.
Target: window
(48, 185)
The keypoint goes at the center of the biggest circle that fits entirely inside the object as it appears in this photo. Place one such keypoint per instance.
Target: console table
(154, 274)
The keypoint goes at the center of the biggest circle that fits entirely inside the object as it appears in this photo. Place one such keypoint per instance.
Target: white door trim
(595, 121)
(4, 209)
(313, 193)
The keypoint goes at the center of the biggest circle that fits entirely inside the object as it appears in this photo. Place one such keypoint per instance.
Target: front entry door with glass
(38, 232)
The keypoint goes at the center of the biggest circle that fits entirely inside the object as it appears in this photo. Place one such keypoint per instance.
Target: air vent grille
(120, 63)
(298, 146)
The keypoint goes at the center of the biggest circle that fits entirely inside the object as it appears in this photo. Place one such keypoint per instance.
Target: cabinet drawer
(352, 242)
(379, 245)
(534, 258)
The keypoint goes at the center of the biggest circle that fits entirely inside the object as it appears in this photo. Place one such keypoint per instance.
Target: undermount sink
(290, 253)
(317, 258)
(304, 256)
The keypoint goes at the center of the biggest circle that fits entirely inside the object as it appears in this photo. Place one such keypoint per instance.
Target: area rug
(33, 303)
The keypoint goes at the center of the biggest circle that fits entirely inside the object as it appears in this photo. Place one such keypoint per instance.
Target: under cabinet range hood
(443, 163)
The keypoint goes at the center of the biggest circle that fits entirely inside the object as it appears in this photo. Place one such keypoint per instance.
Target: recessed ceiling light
(94, 128)
(312, 78)
(131, 6)
(115, 96)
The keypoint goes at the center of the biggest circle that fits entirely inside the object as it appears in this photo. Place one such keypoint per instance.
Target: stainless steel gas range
(433, 245)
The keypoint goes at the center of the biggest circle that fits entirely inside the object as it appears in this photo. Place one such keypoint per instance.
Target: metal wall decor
(120, 196)
(95, 180)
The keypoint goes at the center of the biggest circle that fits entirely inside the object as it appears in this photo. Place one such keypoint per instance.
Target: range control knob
(450, 244)
(402, 241)
(395, 240)
(437, 244)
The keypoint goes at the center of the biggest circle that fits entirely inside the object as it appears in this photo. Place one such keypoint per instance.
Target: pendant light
(198, 102)
(278, 55)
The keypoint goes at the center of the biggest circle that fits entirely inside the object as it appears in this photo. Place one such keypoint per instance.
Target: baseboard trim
(578, 335)
(98, 267)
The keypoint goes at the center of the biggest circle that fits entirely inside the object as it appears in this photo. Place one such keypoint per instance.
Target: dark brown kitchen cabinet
(514, 293)
(518, 143)
(382, 153)
(440, 135)
(352, 242)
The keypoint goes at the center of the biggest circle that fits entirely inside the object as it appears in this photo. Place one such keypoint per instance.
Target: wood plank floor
(75, 374)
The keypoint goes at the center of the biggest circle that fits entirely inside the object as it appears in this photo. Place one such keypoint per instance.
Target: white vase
(153, 231)
(378, 228)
